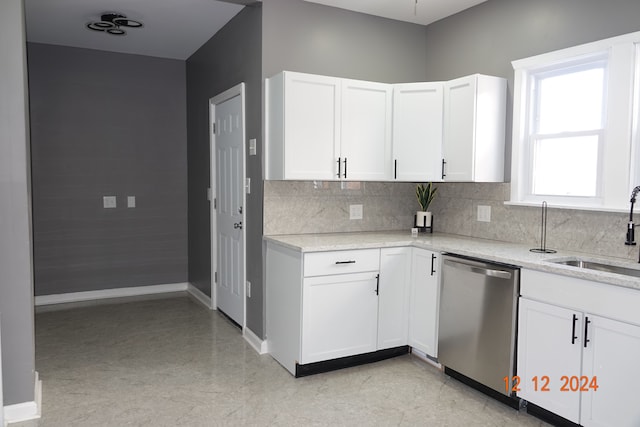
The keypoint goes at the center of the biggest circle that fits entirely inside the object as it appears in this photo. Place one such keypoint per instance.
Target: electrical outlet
(109, 202)
(252, 147)
(131, 201)
(355, 211)
(484, 213)
(248, 289)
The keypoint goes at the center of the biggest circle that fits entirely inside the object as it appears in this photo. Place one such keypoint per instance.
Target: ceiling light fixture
(111, 23)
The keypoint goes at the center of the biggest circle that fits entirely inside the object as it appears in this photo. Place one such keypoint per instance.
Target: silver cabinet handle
(238, 225)
(501, 274)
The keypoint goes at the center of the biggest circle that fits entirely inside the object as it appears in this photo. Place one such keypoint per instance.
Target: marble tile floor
(168, 361)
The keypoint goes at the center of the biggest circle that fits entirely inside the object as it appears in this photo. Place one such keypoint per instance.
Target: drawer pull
(346, 262)
(586, 329)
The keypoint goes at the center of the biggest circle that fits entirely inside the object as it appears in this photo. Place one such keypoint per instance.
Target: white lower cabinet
(575, 360)
(546, 350)
(424, 301)
(339, 316)
(393, 298)
(327, 305)
(612, 356)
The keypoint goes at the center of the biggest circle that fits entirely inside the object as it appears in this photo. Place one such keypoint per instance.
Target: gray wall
(16, 282)
(306, 37)
(311, 38)
(232, 56)
(107, 123)
(486, 38)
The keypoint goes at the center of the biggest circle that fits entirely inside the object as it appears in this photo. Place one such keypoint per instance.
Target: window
(567, 129)
(573, 125)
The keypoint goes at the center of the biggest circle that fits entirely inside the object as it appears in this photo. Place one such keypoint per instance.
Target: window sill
(576, 208)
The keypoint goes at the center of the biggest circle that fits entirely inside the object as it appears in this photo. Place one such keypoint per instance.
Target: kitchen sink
(594, 265)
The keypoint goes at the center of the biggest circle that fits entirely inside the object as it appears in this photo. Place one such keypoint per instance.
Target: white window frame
(620, 144)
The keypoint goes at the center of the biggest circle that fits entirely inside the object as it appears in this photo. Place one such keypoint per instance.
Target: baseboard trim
(109, 293)
(426, 358)
(258, 344)
(27, 410)
(200, 296)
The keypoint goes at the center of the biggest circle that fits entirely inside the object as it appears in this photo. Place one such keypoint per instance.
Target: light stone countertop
(503, 252)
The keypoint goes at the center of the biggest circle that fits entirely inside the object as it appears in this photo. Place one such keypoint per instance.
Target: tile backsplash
(304, 207)
(301, 207)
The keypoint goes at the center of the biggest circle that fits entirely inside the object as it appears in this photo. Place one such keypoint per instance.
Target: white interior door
(228, 174)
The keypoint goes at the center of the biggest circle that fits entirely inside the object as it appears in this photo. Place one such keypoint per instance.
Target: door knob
(238, 225)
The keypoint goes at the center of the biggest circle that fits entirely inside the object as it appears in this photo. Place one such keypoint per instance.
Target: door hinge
(214, 128)
(215, 277)
(215, 203)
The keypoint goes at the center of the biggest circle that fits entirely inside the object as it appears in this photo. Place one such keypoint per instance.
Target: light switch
(109, 202)
(131, 201)
(484, 213)
(355, 211)
(252, 147)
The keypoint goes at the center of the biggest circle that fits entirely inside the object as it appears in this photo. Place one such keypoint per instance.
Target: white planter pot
(423, 219)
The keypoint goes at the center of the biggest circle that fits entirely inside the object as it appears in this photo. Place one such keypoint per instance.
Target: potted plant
(425, 193)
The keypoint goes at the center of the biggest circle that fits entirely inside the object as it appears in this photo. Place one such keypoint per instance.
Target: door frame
(237, 90)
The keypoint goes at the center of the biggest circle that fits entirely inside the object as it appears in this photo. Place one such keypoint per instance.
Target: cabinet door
(459, 128)
(548, 347)
(612, 356)
(393, 298)
(311, 126)
(366, 131)
(339, 316)
(417, 131)
(425, 295)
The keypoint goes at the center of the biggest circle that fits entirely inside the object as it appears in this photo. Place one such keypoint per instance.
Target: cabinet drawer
(340, 262)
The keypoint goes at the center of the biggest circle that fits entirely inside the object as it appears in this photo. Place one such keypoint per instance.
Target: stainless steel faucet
(631, 226)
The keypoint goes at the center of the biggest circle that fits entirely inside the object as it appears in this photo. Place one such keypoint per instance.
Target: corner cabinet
(327, 128)
(417, 131)
(474, 129)
(425, 297)
(393, 303)
(578, 349)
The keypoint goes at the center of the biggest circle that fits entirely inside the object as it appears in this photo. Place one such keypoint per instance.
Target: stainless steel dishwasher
(477, 329)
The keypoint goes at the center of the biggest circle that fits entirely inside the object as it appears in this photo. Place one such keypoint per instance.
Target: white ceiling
(172, 28)
(177, 28)
(417, 11)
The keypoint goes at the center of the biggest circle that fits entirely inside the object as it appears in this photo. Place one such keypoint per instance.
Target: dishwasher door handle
(501, 274)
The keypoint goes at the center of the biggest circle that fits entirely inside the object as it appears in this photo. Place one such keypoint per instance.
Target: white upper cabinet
(417, 131)
(303, 126)
(366, 131)
(327, 128)
(474, 129)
